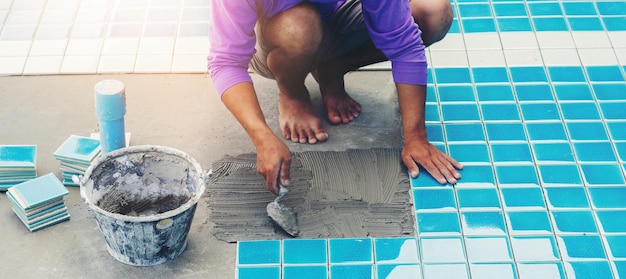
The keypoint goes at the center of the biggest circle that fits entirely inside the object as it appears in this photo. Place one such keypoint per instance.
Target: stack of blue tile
(75, 156)
(17, 164)
(39, 202)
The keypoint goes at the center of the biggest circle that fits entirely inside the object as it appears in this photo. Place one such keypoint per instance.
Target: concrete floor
(180, 111)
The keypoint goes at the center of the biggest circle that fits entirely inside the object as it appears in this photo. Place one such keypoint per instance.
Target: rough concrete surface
(180, 111)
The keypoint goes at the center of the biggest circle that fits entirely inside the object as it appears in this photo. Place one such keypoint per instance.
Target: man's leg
(434, 18)
(294, 37)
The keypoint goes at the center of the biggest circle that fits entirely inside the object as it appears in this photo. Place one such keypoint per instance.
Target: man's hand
(441, 166)
(273, 162)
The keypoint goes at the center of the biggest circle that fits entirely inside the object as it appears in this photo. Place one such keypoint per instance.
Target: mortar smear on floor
(353, 193)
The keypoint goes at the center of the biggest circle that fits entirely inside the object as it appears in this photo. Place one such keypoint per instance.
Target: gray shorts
(344, 30)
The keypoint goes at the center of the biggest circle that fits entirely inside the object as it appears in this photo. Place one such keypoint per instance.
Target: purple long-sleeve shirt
(232, 38)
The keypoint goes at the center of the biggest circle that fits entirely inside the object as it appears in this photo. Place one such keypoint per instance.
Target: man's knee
(298, 30)
(434, 18)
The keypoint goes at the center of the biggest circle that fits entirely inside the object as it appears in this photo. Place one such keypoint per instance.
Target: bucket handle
(77, 179)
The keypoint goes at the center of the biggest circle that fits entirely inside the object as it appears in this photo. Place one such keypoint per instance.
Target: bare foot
(340, 107)
(298, 121)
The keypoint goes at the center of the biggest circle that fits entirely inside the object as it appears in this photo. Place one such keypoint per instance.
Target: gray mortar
(353, 193)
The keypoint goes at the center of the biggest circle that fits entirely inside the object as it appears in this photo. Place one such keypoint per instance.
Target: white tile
(448, 58)
(492, 271)
(189, 64)
(23, 17)
(591, 39)
(97, 4)
(598, 56)
(116, 64)
(196, 14)
(482, 41)
(518, 40)
(486, 58)
(445, 271)
(192, 45)
(18, 32)
(126, 30)
(3, 15)
(481, 249)
(48, 47)
(519, 57)
(13, 65)
(382, 66)
(43, 65)
(156, 46)
(85, 64)
(555, 40)
(14, 48)
(167, 29)
(52, 32)
(539, 270)
(450, 42)
(618, 38)
(28, 5)
(537, 249)
(62, 4)
(88, 31)
(129, 15)
(193, 29)
(58, 16)
(84, 47)
(153, 64)
(404, 271)
(120, 45)
(442, 250)
(560, 57)
(621, 55)
(85, 16)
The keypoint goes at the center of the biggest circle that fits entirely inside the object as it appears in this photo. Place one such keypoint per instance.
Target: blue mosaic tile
(387, 271)
(478, 25)
(505, 131)
(490, 74)
(574, 222)
(611, 8)
(614, 23)
(581, 247)
(258, 252)
(350, 250)
(482, 223)
(553, 152)
(547, 111)
(424, 179)
(474, 176)
(431, 113)
(612, 221)
(550, 24)
(304, 251)
(434, 132)
(547, 270)
(546, 131)
(523, 197)
(351, 271)
(487, 93)
(534, 92)
(517, 176)
(396, 250)
(602, 174)
(460, 112)
(579, 8)
(559, 175)
(442, 250)
(529, 223)
(514, 24)
(588, 270)
(528, 74)
(510, 9)
(545, 9)
(566, 74)
(617, 130)
(604, 73)
(616, 245)
(573, 92)
(620, 268)
(305, 272)
(464, 132)
(478, 198)
(615, 111)
(430, 199)
(585, 24)
(474, 10)
(452, 75)
(499, 112)
(580, 111)
(621, 150)
(534, 248)
(586, 131)
(608, 197)
(511, 152)
(477, 153)
(566, 197)
(445, 271)
(438, 223)
(454, 27)
(594, 151)
(456, 93)
(609, 91)
(487, 250)
(265, 272)
(431, 91)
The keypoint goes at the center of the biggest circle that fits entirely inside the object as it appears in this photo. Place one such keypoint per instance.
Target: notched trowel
(283, 215)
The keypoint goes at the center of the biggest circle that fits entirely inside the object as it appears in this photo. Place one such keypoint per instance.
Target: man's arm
(273, 156)
(417, 149)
